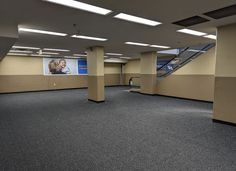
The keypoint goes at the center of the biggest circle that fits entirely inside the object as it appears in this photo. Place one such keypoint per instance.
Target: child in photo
(63, 68)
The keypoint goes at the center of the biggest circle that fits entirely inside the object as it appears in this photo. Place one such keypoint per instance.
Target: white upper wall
(133, 67)
(110, 68)
(17, 65)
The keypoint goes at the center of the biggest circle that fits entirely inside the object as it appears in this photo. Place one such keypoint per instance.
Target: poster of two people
(62, 66)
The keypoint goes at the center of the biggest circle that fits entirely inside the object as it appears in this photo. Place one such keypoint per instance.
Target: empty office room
(114, 85)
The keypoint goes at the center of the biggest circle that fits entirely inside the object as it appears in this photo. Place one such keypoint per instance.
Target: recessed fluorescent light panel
(192, 32)
(80, 55)
(40, 55)
(158, 46)
(25, 47)
(81, 6)
(135, 19)
(125, 57)
(170, 52)
(57, 50)
(42, 32)
(89, 38)
(136, 44)
(73, 57)
(20, 51)
(48, 53)
(114, 54)
(210, 36)
(17, 54)
(144, 44)
(195, 50)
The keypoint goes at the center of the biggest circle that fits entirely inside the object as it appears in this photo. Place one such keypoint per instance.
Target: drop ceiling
(42, 15)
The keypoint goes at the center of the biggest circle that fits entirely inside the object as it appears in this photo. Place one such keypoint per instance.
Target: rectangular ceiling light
(72, 57)
(57, 50)
(81, 6)
(170, 52)
(40, 55)
(158, 46)
(89, 38)
(80, 55)
(20, 51)
(42, 32)
(17, 54)
(135, 19)
(114, 54)
(137, 44)
(195, 50)
(210, 36)
(49, 53)
(25, 47)
(125, 57)
(192, 32)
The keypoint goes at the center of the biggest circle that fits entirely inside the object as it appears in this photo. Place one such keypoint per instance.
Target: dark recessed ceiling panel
(223, 12)
(191, 21)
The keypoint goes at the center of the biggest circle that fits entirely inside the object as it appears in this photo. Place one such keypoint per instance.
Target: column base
(147, 94)
(96, 101)
(223, 122)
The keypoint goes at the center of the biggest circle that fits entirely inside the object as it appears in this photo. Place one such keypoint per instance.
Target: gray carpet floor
(61, 130)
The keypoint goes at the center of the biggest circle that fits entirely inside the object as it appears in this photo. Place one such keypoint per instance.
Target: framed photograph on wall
(60, 66)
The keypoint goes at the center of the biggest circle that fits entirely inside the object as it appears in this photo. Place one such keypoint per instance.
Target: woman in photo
(54, 67)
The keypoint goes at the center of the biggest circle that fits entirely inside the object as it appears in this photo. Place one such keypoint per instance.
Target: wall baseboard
(143, 93)
(31, 91)
(35, 91)
(224, 122)
(115, 86)
(172, 97)
(185, 98)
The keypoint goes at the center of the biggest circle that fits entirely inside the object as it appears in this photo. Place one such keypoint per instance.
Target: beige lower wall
(198, 87)
(225, 98)
(136, 81)
(112, 79)
(21, 83)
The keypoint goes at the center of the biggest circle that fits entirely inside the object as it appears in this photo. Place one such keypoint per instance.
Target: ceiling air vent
(223, 12)
(191, 21)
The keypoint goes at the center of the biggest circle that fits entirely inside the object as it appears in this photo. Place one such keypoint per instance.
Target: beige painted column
(148, 72)
(95, 61)
(225, 75)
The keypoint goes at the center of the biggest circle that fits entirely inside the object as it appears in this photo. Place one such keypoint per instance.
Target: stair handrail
(204, 48)
(173, 59)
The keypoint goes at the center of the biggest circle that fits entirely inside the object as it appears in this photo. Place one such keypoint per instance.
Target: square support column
(148, 72)
(95, 61)
(225, 75)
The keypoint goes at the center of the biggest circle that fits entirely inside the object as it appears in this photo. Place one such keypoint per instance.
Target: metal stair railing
(185, 60)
